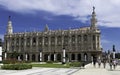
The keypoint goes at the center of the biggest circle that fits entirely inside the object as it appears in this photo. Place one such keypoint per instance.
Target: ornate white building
(60, 45)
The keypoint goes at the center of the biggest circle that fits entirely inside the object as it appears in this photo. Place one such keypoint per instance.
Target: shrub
(49, 62)
(16, 66)
(13, 61)
(75, 64)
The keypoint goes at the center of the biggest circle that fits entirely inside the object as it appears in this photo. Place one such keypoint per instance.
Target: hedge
(75, 64)
(17, 66)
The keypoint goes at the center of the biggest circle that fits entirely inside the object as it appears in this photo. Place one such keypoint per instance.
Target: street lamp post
(113, 51)
(54, 56)
(64, 56)
(5, 55)
(40, 55)
(26, 56)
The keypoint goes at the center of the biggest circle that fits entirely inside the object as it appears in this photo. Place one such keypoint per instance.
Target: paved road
(40, 71)
(89, 70)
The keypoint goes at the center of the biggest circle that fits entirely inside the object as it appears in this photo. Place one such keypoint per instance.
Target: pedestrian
(114, 63)
(94, 61)
(99, 62)
(83, 64)
(110, 63)
(104, 63)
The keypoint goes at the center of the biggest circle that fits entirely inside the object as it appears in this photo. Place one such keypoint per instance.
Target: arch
(58, 57)
(33, 57)
(85, 57)
(45, 57)
(52, 57)
(21, 57)
(79, 57)
(72, 56)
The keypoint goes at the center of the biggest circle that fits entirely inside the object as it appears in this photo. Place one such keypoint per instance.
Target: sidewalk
(91, 70)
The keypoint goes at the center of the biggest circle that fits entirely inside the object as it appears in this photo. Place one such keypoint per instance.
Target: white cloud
(107, 10)
(104, 41)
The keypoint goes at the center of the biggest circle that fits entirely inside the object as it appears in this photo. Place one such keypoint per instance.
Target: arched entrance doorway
(79, 57)
(45, 57)
(33, 57)
(59, 57)
(85, 57)
(21, 57)
(52, 57)
(72, 56)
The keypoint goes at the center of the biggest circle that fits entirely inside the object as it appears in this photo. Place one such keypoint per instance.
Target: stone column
(55, 42)
(49, 43)
(82, 56)
(89, 56)
(37, 48)
(25, 43)
(76, 44)
(76, 58)
(19, 44)
(64, 56)
(36, 57)
(30, 57)
(31, 44)
(69, 42)
(43, 42)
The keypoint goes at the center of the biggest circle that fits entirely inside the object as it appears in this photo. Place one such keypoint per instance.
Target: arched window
(65, 40)
(59, 39)
(52, 40)
(93, 37)
(28, 42)
(34, 41)
(85, 37)
(73, 38)
(79, 38)
(46, 41)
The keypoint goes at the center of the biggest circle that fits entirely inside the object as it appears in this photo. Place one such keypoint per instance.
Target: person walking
(94, 61)
(104, 63)
(99, 62)
(114, 63)
(110, 63)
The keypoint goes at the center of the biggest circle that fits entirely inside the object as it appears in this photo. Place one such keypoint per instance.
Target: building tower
(93, 20)
(46, 28)
(9, 26)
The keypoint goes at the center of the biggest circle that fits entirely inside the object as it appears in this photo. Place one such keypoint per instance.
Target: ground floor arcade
(52, 56)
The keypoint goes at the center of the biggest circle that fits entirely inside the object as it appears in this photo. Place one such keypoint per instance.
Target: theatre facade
(81, 44)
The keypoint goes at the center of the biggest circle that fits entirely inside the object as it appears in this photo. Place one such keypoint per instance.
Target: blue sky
(30, 15)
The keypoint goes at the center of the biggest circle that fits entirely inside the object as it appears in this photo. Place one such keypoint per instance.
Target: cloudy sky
(29, 15)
